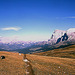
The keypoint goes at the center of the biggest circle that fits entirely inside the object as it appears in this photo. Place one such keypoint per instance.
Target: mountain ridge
(58, 39)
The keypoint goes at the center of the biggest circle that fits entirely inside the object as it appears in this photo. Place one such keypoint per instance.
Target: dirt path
(28, 70)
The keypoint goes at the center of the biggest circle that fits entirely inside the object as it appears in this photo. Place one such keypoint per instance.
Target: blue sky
(35, 18)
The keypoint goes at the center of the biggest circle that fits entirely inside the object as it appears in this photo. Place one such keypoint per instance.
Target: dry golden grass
(67, 52)
(12, 64)
(52, 64)
(44, 65)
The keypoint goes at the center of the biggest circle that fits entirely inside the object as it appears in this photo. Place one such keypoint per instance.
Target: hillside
(44, 65)
(13, 64)
(67, 52)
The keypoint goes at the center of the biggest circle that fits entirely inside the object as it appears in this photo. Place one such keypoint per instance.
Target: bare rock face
(63, 38)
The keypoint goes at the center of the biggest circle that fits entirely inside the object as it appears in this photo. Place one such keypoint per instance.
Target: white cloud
(11, 28)
(71, 17)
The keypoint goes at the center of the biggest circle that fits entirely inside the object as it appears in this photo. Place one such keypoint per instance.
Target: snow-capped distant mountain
(14, 45)
(71, 33)
(60, 36)
(56, 34)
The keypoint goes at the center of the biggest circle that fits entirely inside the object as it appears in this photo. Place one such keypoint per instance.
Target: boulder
(2, 57)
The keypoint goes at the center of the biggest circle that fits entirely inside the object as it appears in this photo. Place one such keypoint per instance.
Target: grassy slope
(51, 63)
(67, 52)
(12, 64)
(42, 65)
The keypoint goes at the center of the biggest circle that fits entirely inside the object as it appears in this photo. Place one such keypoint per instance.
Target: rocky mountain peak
(57, 34)
(61, 36)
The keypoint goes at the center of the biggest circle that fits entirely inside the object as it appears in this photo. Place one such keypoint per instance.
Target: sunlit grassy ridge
(67, 52)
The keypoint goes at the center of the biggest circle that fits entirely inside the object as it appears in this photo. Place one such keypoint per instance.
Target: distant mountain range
(58, 39)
